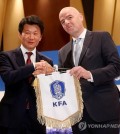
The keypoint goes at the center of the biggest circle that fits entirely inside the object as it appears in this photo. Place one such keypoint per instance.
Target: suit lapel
(70, 54)
(19, 57)
(86, 44)
(38, 56)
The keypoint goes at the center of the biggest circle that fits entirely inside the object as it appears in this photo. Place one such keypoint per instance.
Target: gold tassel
(35, 83)
(76, 117)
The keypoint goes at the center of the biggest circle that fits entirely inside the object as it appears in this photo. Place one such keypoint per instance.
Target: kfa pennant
(59, 100)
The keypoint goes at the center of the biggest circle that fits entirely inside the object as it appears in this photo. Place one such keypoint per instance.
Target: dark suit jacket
(15, 74)
(99, 55)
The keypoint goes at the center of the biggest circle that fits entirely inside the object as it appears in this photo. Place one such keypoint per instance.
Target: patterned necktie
(28, 61)
(77, 51)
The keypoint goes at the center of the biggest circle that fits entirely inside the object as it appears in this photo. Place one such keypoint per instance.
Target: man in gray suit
(97, 66)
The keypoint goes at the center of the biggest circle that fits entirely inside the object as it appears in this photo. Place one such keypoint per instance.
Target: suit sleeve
(111, 68)
(12, 73)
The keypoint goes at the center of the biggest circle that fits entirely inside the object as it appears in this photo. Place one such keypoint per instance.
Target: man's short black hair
(31, 20)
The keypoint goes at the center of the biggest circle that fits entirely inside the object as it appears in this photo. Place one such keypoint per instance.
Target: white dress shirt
(81, 37)
(33, 56)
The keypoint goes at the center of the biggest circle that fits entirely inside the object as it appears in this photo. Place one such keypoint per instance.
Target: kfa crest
(57, 89)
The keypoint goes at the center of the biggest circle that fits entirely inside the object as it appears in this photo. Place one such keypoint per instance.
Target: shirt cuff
(91, 78)
(34, 65)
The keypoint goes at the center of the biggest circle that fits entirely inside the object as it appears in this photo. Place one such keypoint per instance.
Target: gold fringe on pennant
(50, 122)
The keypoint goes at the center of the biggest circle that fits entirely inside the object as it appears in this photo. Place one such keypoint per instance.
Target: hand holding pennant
(59, 100)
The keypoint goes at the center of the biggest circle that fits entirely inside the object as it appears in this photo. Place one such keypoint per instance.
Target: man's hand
(80, 72)
(43, 67)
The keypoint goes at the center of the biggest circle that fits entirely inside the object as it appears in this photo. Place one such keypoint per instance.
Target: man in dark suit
(18, 113)
(97, 67)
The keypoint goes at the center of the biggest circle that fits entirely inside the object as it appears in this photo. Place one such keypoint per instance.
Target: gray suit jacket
(99, 55)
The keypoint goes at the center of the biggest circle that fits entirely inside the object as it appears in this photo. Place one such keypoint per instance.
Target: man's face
(30, 36)
(71, 20)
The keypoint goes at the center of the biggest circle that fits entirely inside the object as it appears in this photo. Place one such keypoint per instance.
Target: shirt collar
(24, 50)
(82, 35)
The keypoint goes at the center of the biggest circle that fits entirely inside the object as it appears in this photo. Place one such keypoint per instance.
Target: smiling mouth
(69, 27)
(30, 42)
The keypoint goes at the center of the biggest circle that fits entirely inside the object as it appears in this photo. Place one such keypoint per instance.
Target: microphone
(55, 67)
(62, 70)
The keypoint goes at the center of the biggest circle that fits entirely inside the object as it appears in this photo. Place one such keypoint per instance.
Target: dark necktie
(28, 61)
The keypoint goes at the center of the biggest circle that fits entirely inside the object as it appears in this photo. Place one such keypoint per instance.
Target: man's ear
(40, 38)
(19, 35)
(81, 16)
